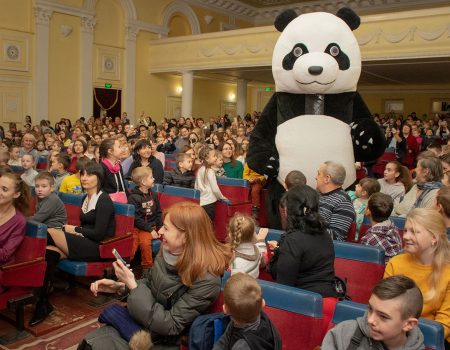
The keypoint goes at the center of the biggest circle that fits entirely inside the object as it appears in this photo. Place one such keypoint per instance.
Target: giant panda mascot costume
(316, 114)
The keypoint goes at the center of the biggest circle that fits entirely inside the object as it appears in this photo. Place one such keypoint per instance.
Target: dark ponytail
(106, 145)
(302, 204)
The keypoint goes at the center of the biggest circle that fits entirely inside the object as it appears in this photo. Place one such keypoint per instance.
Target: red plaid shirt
(384, 235)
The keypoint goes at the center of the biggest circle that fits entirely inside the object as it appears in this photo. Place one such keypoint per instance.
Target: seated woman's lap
(75, 247)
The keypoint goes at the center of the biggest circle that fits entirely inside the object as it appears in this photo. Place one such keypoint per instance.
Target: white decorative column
(42, 19)
(241, 99)
(188, 91)
(129, 90)
(86, 58)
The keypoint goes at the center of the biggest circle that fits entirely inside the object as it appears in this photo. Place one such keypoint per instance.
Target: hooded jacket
(260, 335)
(147, 215)
(340, 336)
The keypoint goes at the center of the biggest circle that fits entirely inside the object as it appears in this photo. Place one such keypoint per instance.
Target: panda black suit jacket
(347, 107)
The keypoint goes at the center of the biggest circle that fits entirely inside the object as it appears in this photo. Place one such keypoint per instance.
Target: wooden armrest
(20, 264)
(115, 239)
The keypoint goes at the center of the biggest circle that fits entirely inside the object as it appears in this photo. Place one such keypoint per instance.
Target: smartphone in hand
(118, 257)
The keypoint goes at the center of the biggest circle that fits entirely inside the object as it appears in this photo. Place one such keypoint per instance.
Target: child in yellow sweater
(426, 260)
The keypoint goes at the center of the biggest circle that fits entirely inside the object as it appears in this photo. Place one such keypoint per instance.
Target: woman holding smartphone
(183, 282)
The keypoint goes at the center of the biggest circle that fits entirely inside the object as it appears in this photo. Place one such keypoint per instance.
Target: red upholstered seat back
(73, 214)
(360, 276)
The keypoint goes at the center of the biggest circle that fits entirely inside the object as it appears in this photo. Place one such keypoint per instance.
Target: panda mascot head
(316, 113)
(316, 53)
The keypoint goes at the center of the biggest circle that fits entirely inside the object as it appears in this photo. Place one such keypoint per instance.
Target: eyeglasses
(193, 140)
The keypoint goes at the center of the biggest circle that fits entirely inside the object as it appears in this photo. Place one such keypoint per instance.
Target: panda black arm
(262, 139)
(368, 137)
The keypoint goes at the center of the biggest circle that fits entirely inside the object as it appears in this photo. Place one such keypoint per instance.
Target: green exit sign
(268, 89)
(108, 85)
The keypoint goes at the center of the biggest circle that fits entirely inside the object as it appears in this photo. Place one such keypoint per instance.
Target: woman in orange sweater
(426, 260)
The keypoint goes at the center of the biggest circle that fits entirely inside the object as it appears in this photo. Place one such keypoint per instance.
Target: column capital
(42, 15)
(131, 32)
(87, 24)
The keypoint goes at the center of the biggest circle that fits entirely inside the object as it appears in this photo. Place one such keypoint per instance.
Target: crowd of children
(414, 186)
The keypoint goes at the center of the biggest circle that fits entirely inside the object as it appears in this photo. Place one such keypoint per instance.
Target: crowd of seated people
(96, 157)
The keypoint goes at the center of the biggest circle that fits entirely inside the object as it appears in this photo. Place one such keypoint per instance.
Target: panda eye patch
(341, 58)
(297, 51)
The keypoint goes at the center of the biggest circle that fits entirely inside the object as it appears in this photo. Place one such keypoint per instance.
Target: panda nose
(315, 70)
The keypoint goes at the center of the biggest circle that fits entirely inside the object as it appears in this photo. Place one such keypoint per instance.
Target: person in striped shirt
(335, 205)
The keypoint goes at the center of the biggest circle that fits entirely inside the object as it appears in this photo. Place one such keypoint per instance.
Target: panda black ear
(284, 18)
(350, 17)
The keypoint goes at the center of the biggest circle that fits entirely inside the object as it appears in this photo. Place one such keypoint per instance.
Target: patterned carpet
(75, 314)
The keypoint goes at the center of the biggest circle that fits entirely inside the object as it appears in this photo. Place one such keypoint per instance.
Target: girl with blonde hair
(247, 249)
(426, 260)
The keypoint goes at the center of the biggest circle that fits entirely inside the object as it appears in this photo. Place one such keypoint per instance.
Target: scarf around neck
(113, 168)
(426, 187)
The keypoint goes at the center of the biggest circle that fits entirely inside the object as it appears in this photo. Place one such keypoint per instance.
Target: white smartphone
(117, 255)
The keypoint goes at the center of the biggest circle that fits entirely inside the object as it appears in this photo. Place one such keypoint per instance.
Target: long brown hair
(404, 177)
(21, 203)
(202, 252)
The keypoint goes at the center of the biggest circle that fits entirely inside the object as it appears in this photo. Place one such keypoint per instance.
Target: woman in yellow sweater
(426, 260)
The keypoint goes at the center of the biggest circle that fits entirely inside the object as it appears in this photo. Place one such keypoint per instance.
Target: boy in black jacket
(250, 328)
(182, 176)
(147, 217)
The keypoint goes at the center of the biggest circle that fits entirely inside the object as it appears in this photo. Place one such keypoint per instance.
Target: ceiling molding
(267, 14)
(68, 10)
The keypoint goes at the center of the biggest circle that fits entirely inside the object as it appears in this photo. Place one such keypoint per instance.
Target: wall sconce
(179, 89)
(208, 19)
(231, 96)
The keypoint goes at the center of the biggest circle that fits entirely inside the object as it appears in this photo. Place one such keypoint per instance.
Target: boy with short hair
(294, 178)
(182, 176)
(391, 321)
(29, 173)
(14, 155)
(250, 328)
(383, 233)
(50, 209)
(59, 166)
(72, 183)
(147, 217)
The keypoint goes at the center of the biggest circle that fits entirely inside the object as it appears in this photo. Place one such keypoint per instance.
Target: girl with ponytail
(396, 181)
(305, 256)
(246, 247)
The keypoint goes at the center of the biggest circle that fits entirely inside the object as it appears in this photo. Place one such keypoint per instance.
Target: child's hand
(154, 234)
(272, 244)
(262, 234)
(69, 229)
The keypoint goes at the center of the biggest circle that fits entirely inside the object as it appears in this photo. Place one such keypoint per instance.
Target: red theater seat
(360, 266)
(26, 272)
(386, 157)
(122, 241)
(237, 192)
(296, 313)
(173, 194)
